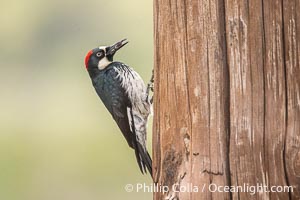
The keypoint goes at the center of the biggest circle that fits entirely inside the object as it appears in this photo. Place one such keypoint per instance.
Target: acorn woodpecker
(125, 95)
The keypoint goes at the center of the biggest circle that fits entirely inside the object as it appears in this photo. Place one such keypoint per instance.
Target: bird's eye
(99, 54)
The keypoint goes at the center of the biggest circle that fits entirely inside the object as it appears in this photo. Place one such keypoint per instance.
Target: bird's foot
(150, 86)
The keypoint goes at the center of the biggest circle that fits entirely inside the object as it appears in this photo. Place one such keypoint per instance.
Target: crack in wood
(213, 173)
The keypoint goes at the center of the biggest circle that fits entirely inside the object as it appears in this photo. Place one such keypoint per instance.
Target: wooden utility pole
(227, 98)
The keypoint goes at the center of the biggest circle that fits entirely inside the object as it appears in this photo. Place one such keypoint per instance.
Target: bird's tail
(143, 159)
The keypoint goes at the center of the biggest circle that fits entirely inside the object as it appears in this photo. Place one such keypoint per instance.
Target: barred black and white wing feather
(123, 92)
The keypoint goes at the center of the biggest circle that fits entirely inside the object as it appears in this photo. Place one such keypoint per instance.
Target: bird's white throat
(103, 63)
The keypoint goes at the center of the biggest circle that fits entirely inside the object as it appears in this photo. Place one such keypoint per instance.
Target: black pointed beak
(114, 48)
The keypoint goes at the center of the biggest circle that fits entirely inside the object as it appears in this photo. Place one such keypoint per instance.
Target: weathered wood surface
(291, 154)
(227, 96)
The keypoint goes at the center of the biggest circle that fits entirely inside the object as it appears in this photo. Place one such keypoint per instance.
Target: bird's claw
(150, 86)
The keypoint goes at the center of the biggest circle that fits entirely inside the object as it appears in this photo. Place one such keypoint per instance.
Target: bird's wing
(142, 156)
(119, 97)
(135, 93)
(116, 101)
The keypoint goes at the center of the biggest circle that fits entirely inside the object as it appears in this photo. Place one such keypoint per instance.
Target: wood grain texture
(244, 31)
(275, 99)
(292, 62)
(227, 96)
(190, 143)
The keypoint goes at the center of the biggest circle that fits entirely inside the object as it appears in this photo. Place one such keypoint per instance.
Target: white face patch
(104, 62)
(103, 48)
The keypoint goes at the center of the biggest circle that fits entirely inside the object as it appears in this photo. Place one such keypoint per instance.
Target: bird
(125, 95)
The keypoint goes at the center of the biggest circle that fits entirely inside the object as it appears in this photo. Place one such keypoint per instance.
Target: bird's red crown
(87, 58)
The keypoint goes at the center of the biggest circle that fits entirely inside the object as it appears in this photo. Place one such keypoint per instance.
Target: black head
(100, 58)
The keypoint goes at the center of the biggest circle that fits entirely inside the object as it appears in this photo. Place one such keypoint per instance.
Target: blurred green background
(57, 140)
